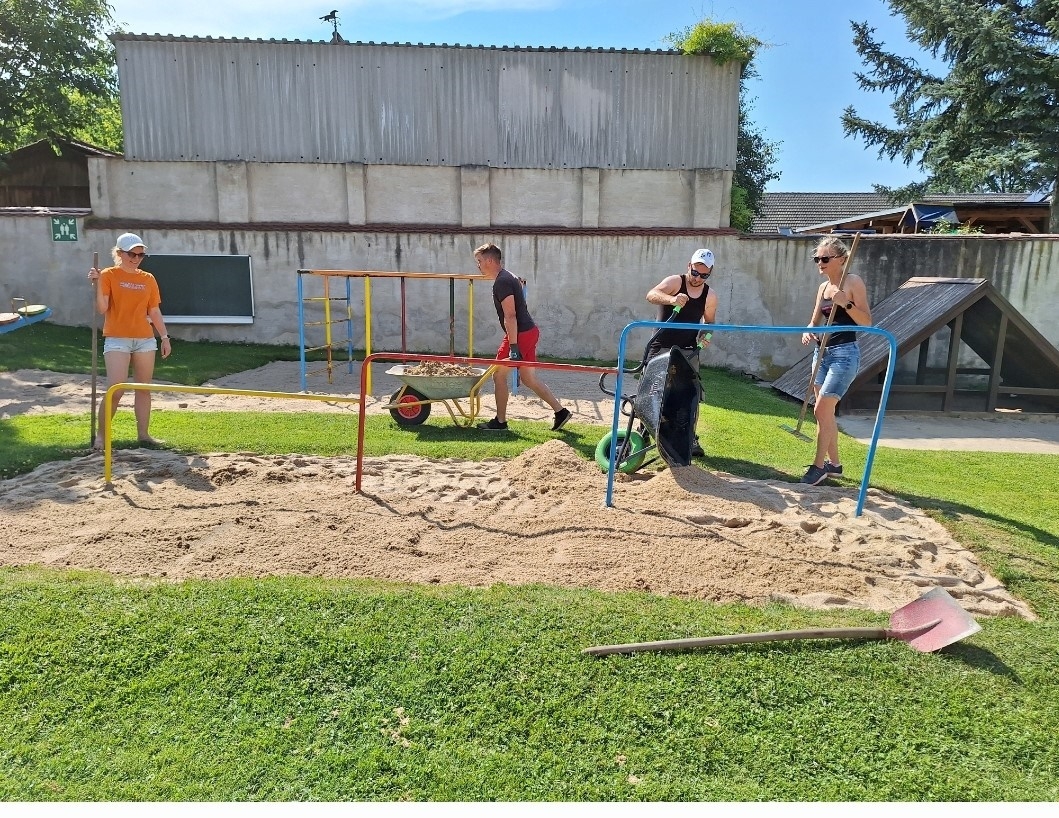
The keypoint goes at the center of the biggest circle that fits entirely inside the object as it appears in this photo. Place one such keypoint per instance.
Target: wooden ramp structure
(962, 347)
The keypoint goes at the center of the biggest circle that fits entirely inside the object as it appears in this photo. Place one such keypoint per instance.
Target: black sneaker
(831, 468)
(815, 476)
(494, 425)
(696, 450)
(561, 417)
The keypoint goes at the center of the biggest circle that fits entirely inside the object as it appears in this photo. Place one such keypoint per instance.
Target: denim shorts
(129, 345)
(837, 370)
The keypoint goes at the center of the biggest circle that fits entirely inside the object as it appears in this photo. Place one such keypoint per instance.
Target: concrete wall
(583, 289)
(354, 194)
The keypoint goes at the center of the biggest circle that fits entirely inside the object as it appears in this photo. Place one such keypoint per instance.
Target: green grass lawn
(306, 689)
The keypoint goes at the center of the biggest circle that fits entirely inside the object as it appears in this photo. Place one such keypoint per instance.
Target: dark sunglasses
(823, 259)
(130, 254)
(697, 274)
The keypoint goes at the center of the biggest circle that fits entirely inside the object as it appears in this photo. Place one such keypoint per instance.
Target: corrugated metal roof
(123, 36)
(191, 98)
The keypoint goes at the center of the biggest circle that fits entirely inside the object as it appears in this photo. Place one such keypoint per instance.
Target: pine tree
(990, 123)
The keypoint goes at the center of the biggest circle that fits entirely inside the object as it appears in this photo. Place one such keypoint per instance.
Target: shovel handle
(740, 638)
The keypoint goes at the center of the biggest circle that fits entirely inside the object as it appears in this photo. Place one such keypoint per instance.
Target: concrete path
(994, 432)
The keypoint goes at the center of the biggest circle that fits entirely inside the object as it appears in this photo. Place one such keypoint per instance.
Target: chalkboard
(204, 289)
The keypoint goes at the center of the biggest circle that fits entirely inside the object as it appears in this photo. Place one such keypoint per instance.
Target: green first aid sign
(63, 228)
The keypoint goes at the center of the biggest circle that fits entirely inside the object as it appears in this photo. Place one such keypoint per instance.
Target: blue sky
(806, 75)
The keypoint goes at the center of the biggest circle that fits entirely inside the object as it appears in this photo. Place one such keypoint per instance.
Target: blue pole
(715, 328)
(301, 331)
(349, 323)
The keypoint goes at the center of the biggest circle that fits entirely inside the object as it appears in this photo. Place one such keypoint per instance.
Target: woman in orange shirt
(129, 300)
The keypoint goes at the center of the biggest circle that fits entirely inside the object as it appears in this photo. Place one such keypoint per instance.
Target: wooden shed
(997, 361)
(48, 174)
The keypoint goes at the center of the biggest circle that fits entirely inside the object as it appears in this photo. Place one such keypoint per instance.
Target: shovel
(927, 624)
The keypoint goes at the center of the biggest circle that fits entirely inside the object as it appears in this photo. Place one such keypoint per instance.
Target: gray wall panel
(201, 99)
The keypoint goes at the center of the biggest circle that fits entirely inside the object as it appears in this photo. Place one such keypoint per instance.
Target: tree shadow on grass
(952, 509)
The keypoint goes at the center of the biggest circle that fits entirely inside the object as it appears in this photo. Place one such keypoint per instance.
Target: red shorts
(527, 345)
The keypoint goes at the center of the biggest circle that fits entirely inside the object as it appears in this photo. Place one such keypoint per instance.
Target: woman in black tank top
(839, 357)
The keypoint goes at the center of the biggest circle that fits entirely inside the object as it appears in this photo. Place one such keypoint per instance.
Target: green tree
(57, 71)
(755, 155)
(992, 122)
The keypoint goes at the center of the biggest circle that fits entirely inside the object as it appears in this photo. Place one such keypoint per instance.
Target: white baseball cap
(126, 241)
(705, 256)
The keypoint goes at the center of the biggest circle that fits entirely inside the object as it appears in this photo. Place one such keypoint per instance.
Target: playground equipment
(344, 317)
(22, 316)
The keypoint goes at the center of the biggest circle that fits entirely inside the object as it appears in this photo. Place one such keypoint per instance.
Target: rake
(797, 430)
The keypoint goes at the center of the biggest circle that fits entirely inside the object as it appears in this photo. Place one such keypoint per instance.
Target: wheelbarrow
(662, 414)
(410, 405)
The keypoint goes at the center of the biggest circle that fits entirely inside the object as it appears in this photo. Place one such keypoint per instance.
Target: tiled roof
(798, 210)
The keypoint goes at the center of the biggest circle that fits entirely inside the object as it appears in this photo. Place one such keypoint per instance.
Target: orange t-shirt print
(131, 296)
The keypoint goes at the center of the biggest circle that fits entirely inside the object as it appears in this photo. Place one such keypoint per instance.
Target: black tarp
(667, 403)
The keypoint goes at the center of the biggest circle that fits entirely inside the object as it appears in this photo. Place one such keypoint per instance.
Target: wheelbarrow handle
(636, 370)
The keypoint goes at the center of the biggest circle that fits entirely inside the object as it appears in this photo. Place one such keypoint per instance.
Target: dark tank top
(842, 318)
(691, 313)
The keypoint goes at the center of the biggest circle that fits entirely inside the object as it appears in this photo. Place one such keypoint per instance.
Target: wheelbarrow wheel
(409, 411)
(631, 453)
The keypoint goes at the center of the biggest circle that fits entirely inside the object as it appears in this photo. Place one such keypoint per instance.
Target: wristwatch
(849, 306)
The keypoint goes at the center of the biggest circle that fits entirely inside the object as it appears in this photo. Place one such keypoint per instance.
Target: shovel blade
(936, 605)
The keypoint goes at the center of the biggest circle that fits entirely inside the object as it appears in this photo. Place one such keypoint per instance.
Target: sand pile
(539, 518)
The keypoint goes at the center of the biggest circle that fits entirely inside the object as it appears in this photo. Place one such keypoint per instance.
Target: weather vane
(332, 18)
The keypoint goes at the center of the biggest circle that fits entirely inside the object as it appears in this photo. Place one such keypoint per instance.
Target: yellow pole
(327, 324)
(367, 328)
(470, 318)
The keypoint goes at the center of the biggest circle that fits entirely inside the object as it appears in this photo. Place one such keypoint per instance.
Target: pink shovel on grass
(927, 624)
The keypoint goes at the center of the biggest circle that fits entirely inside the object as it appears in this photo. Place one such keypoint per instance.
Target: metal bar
(327, 326)
(301, 330)
(470, 318)
(392, 274)
(452, 316)
(367, 322)
(404, 315)
(349, 326)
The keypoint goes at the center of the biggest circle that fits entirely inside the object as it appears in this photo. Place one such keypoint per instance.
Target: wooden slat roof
(921, 307)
